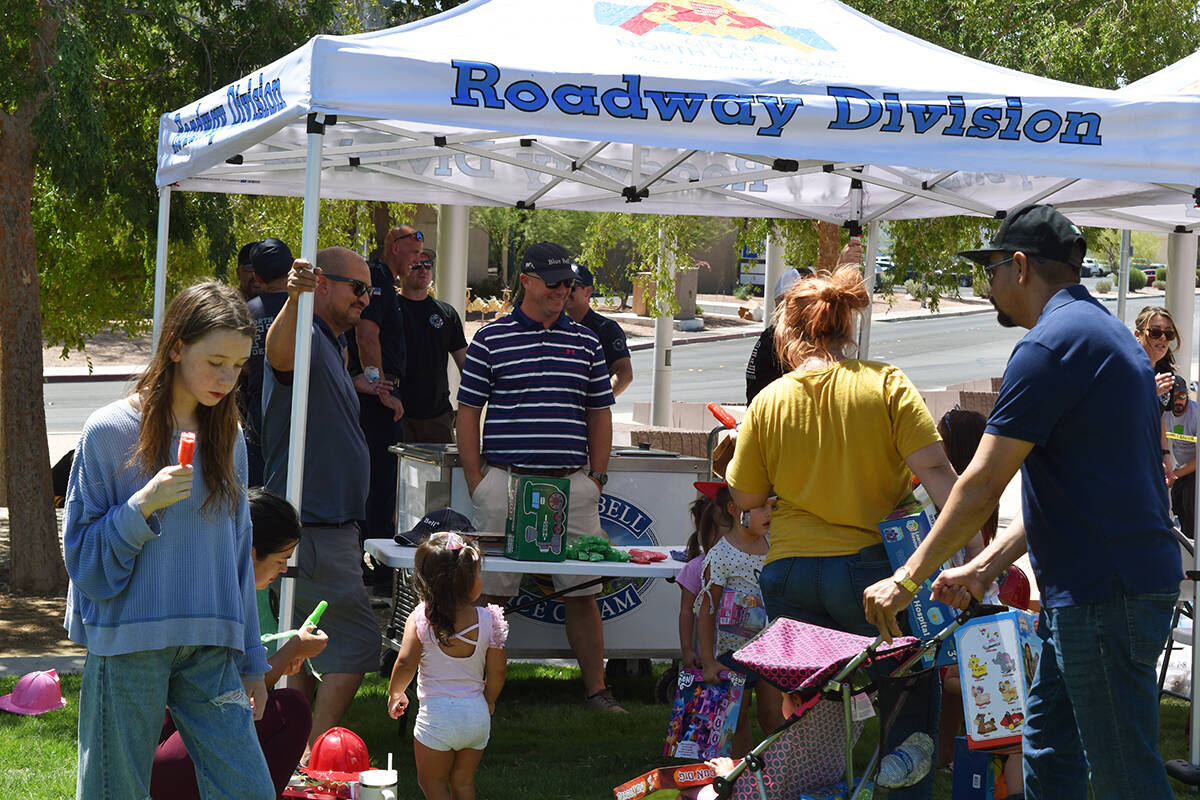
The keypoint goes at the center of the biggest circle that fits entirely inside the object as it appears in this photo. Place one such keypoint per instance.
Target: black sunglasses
(423, 265)
(420, 237)
(358, 287)
(1160, 333)
(569, 283)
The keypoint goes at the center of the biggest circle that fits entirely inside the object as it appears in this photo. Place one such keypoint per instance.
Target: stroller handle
(723, 416)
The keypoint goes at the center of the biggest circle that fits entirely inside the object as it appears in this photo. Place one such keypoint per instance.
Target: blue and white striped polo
(538, 384)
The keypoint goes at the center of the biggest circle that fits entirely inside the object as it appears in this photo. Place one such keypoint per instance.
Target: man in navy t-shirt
(612, 338)
(1078, 414)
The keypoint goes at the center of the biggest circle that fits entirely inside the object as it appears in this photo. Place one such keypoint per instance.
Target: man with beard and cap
(248, 285)
(335, 474)
(1180, 421)
(612, 338)
(1100, 542)
(544, 381)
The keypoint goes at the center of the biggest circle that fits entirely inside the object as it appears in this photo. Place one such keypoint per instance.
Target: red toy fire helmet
(1014, 589)
(338, 754)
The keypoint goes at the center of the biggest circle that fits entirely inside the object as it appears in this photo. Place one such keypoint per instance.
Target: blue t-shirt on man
(1081, 389)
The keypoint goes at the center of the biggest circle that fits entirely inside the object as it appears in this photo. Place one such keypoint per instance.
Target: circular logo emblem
(436, 320)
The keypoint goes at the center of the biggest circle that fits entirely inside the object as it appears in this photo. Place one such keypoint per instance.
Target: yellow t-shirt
(832, 443)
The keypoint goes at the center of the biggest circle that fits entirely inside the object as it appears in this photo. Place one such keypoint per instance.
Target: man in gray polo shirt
(335, 474)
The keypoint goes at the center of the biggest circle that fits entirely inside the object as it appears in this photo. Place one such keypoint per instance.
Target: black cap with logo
(1035, 230)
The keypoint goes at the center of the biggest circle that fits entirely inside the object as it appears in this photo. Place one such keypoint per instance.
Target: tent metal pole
(452, 249)
(775, 269)
(160, 262)
(1186, 299)
(864, 331)
(1123, 274)
(304, 323)
(664, 328)
(1181, 290)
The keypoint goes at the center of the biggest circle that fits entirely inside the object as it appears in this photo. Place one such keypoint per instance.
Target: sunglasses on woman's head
(358, 287)
(1160, 333)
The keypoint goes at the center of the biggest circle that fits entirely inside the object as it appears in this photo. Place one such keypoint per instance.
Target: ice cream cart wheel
(618, 668)
(665, 686)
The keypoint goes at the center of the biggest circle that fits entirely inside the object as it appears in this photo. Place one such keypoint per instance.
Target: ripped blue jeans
(121, 712)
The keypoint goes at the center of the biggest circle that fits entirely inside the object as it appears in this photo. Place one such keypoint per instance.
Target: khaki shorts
(583, 519)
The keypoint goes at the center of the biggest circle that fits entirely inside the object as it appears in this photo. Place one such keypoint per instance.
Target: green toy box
(536, 527)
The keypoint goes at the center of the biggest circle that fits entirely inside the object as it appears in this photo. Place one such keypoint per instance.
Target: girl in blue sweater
(162, 585)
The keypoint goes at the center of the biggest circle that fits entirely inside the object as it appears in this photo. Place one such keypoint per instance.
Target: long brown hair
(445, 566)
(711, 518)
(195, 312)
(961, 433)
(816, 316)
(1142, 324)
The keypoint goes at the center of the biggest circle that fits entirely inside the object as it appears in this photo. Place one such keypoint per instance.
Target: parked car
(1090, 268)
(1152, 272)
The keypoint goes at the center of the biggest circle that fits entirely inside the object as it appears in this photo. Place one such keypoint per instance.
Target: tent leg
(775, 269)
(1181, 289)
(664, 329)
(452, 250)
(160, 262)
(864, 332)
(304, 322)
(1123, 274)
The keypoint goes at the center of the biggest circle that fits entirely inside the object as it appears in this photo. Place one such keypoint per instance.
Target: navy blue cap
(444, 519)
(550, 262)
(583, 276)
(271, 259)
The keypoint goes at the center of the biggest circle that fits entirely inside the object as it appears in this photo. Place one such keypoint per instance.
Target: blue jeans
(121, 714)
(828, 592)
(1094, 700)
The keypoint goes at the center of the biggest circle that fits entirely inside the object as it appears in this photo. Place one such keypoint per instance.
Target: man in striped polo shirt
(545, 382)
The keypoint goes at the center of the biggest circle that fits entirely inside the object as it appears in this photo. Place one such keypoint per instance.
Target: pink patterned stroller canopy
(798, 657)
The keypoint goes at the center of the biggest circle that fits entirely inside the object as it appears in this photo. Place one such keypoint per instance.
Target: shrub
(1103, 287)
(699, 311)
(980, 285)
(1137, 279)
(915, 288)
(743, 291)
(1160, 278)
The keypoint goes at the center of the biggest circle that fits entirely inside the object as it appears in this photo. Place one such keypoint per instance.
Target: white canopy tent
(712, 107)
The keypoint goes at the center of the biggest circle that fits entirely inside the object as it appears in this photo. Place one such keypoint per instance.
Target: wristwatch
(599, 477)
(904, 581)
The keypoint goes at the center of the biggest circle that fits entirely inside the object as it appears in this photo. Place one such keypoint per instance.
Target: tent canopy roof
(716, 107)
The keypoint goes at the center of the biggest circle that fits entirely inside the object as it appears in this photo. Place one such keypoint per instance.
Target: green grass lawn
(545, 743)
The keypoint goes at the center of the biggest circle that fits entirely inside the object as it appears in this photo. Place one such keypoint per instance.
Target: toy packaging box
(903, 531)
(977, 775)
(684, 777)
(536, 526)
(704, 715)
(997, 657)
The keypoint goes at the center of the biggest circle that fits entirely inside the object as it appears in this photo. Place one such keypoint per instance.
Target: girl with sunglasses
(1156, 332)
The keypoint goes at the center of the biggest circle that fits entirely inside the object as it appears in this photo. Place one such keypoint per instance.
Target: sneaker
(908, 763)
(603, 700)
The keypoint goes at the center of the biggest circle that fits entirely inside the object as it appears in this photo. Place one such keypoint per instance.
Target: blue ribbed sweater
(179, 578)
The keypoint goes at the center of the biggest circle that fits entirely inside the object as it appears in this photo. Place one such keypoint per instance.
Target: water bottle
(371, 374)
(908, 763)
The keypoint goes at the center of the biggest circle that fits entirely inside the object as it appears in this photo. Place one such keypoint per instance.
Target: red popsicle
(187, 446)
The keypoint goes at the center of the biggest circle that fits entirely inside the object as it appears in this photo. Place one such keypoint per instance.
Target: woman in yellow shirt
(839, 440)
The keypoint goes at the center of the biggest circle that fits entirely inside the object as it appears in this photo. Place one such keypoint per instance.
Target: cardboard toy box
(997, 658)
(704, 716)
(685, 777)
(536, 526)
(977, 776)
(902, 531)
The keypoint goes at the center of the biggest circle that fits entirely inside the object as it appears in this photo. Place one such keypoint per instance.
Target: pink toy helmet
(338, 754)
(35, 693)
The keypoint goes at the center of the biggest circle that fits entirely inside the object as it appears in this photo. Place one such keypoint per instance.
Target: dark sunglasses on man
(427, 264)
(420, 237)
(569, 283)
(358, 287)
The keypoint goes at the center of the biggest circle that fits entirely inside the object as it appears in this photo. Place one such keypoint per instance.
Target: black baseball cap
(1035, 230)
(444, 519)
(271, 259)
(1180, 386)
(548, 261)
(583, 276)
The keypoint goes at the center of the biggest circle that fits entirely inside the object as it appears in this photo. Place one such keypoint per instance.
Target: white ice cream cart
(644, 504)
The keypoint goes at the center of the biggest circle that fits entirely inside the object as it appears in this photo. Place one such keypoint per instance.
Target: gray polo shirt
(336, 464)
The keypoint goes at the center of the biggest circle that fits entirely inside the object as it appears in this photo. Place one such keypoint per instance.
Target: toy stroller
(815, 665)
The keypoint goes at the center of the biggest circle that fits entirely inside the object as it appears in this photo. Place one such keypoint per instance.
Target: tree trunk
(381, 218)
(829, 244)
(37, 562)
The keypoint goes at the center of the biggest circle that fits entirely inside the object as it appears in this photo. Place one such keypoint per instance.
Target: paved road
(933, 351)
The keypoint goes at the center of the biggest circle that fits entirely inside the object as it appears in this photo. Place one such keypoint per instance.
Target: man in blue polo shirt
(612, 338)
(544, 381)
(1100, 541)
